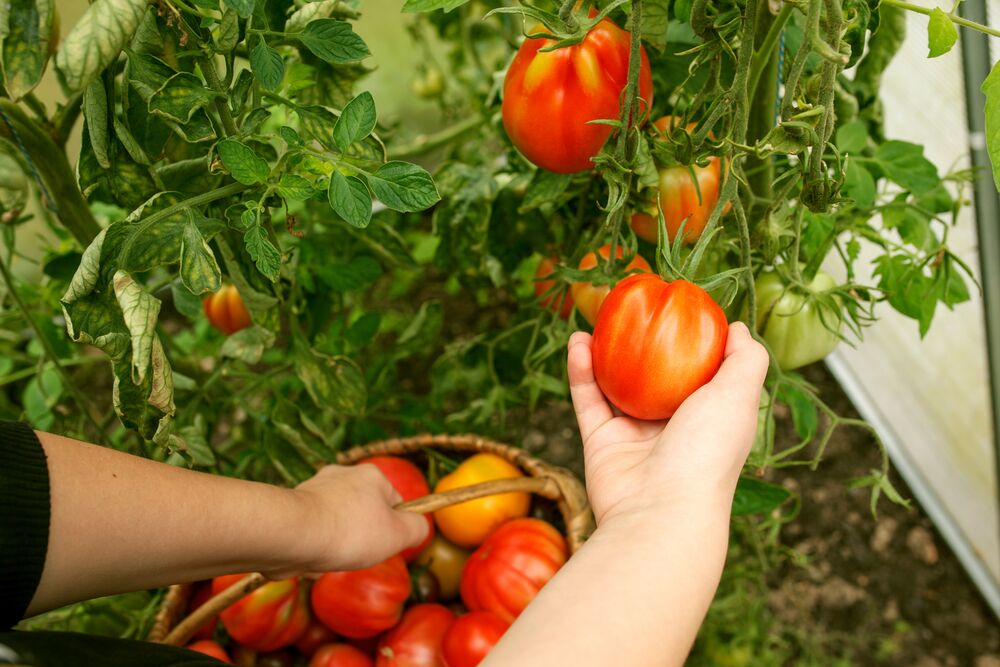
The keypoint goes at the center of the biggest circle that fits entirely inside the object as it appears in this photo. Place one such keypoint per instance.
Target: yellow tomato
(468, 524)
(445, 561)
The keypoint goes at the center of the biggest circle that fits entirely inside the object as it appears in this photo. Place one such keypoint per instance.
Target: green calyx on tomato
(588, 296)
(551, 97)
(655, 343)
(800, 326)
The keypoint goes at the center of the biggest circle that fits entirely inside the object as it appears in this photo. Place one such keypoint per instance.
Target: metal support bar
(976, 65)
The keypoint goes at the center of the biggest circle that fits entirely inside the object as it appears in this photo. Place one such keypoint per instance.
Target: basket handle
(543, 486)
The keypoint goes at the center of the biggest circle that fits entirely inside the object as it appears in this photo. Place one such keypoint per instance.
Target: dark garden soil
(885, 591)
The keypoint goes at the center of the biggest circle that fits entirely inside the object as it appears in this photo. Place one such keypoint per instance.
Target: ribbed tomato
(468, 524)
(340, 655)
(655, 343)
(471, 637)
(550, 97)
(687, 195)
(416, 641)
(269, 618)
(410, 483)
(511, 566)
(225, 310)
(362, 603)
(210, 648)
(316, 635)
(588, 296)
(556, 301)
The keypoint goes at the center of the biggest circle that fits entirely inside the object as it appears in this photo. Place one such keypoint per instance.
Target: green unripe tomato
(792, 322)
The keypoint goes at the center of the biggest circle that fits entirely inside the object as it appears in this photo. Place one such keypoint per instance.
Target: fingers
(592, 409)
(744, 365)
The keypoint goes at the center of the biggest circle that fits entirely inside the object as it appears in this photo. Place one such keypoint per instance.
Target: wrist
(299, 532)
(654, 514)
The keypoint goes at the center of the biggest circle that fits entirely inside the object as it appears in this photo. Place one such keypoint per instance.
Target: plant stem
(212, 77)
(47, 347)
(428, 142)
(193, 202)
(765, 56)
(23, 373)
(570, 24)
(958, 20)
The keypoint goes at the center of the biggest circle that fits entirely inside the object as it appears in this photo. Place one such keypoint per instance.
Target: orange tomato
(553, 300)
(225, 310)
(468, 524)
(589, 297)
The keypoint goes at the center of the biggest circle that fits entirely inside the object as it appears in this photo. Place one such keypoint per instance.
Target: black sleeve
(24, 519)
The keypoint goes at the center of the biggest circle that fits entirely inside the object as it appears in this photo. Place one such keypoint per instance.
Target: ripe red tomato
(340, 655)
(589, 296)
(471, 637)
(316, 635)
(549, 98)
(416, 641)
(407, 479)
(362, 603)
(225, 310)
(683, 198)
(210, 648)
(561, 302)
(511, 566)
(202, 594)
(271, 617)
(655, 343)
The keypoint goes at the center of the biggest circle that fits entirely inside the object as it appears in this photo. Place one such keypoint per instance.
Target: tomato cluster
(445, 603)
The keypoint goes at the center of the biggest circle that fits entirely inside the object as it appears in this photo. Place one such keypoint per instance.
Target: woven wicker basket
(555, 484)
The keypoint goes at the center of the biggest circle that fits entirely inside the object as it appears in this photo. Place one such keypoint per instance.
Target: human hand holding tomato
(633, 465)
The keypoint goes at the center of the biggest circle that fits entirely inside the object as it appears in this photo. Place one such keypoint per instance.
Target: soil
(870, 591)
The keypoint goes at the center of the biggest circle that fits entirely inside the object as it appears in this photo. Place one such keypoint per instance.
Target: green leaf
(415, 6)
(317, 9)
(245, 166)
(332, 382)
(350, 199)
(655, 22)
(199, 270)
(904, 163)
(25, 34)
(404, 187)
(179, 97)
(290, 136)
(545, 187)
(292, 186)
(803, 408)
(190, 442)
(912, 224)
(754, 496)
(991, 89)
(229, 32)
(262, 251)
(95, 113)
(852, 137)
(334, 41)
(41, 394)
(267, 66)
(243, 7)
(355, 274)
(941, 34)
(363, 330)
(96, 40)
(248, 344)
(859, 185)
(187, 304)
(356, 121)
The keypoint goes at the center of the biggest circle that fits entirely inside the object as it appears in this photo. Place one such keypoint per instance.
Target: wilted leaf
(25, 32)
(248, 344)
(332, 382)
(96, 40)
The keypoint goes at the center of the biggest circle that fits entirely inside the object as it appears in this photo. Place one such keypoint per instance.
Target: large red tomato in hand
(340, 655)
(225, 310)
(416, 641)
(210, 648)
(511, 566)
(549, 98)
(655, 343)
(556, 301)
(271, 617)
(471, 637)
(410, 483)
(362, 603)
(589, 296)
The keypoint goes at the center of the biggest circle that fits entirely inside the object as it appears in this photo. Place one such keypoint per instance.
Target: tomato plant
(210, 648)
(471, 637)
(588, 296)
(340, 655)
(225, 310)
(799, 325)
(269, 618)
(362, 603)
(416, 641)
(445, 561)
(551, 97)
(468, 524)
(507, 571)
(410, 483)
(655, 343)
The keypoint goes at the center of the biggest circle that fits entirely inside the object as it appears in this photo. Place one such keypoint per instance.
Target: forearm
(122, 523)
(644, 582)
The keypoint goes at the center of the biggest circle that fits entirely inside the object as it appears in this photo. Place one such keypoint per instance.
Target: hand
(633, 465)
(350, 521)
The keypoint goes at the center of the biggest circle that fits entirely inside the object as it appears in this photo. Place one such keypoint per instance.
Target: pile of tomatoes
(444, 603)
